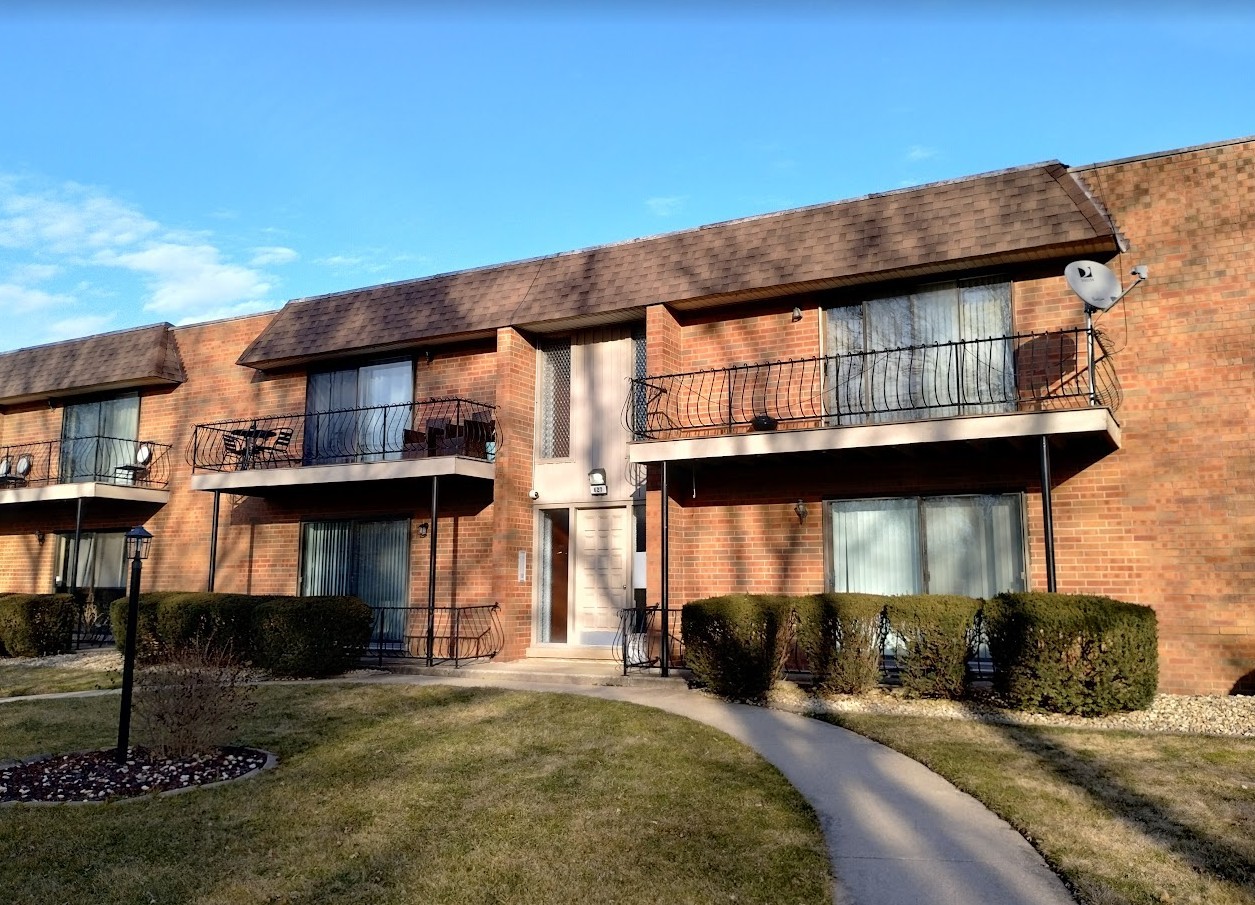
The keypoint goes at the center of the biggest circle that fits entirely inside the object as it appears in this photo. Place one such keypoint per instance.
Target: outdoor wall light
(597, 482)
(423, 528)
(797, 315)
(800, 509)
(39, 536)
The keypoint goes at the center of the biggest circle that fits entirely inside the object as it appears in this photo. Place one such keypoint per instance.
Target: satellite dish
(1097, 286)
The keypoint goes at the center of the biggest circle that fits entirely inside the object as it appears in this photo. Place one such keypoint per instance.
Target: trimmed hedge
(935, 635)
(1073, 653)
(736, 645)
(310, 636)
(842, 636)
(36, 625)
(288, 636)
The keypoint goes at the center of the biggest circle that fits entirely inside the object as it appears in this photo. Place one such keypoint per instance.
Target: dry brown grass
(1123, 817)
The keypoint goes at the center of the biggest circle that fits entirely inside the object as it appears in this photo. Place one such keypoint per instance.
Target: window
(969, 545)
(938, 351)
(358, 414)
(640, 401)
(555, 400)
(98, 437)
(101, 565)
(367, 559)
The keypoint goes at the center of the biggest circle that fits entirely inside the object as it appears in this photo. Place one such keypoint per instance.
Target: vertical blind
(367, 559)
(969, 545)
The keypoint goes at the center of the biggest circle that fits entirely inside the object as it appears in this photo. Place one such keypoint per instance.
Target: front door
(601, 574)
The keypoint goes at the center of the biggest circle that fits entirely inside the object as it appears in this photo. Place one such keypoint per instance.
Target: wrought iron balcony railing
(101, 460)
(1006, 374)
(413, 430)
(445, 634)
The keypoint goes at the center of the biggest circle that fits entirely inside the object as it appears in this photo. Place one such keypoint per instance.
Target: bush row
(1057, 652)
(287, 636)
(36, 625)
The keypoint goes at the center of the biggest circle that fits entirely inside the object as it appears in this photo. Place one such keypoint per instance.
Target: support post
(78, 536)
(1047, 517)
(665, 589)
(128, 663)
(431, 571)
(1089, 347)
(213, 544)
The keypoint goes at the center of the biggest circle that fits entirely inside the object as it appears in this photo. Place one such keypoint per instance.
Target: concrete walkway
(897, 833)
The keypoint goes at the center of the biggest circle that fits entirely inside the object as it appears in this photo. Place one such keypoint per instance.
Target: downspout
(665, 596)
(213, 544)
(431, 571)
(1048, 521)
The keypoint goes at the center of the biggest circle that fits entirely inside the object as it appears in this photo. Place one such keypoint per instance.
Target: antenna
(1097, 286)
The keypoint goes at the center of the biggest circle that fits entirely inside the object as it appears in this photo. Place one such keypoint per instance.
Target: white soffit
(260, 479)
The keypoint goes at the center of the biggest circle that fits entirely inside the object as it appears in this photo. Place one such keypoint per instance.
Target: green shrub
(148, 641)
(934, 635)
(736, 645)
(36, 625)
(842, 638)
(222, 621)
(310, 636)
(1073, 653)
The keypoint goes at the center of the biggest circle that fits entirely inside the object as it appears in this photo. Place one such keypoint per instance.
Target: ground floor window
(969, 545)
(100, 569)
(366, 559)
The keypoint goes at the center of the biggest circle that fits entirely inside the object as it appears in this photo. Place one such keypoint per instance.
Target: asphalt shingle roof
(148, 356)
(1012, 215)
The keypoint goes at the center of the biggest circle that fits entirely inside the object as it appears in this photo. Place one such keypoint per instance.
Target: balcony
(85, 467)
(447, 436)
(1045, 384)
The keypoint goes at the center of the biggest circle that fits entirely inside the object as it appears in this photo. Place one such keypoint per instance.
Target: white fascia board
(84, 491)
(241, 482)
(865, 436)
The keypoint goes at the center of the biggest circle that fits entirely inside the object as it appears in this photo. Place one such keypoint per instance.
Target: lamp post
(138, 542)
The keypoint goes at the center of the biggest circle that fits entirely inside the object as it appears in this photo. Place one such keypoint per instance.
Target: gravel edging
(1231, 716)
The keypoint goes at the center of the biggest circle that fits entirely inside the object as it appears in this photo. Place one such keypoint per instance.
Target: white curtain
(97, 437)
(379, 428)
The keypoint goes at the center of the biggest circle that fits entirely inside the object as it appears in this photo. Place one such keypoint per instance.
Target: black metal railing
(638, 642)
(102, 460)
(1027, 372)
(445, 634)
(412, 430)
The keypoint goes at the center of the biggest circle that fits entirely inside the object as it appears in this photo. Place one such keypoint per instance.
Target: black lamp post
(137, 543)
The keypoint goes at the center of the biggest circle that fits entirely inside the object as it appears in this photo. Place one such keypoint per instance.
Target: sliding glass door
(366, 559)
(358, 414)
(98, 437)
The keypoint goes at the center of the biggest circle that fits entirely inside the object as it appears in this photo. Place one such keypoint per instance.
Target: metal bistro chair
(135, 472)
(278, 449)
(233, 449)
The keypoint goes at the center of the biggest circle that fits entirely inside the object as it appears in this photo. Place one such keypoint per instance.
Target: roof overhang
(58, 493)
(260, 481)
(1095, 422)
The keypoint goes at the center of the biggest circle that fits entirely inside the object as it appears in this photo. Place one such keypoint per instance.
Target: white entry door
(601, 573)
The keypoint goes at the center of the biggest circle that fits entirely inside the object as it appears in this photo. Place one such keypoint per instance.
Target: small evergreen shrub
(148, 643)
(934, 635)
(37, 625)
(842, 637)
(310, 636)
(736, 645)
(223, 620)
(1073, 653)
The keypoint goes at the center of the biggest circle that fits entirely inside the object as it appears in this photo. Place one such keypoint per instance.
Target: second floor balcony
(418, 439)
(92, 466)
(1006, 386)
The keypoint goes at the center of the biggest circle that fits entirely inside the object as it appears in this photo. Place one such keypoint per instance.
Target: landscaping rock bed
(94, 776)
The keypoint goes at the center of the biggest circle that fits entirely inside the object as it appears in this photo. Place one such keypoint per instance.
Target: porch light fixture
(801, 510)
(597, 482)
(138, 543)
(423, 529)
(39, 536)
(797, 315)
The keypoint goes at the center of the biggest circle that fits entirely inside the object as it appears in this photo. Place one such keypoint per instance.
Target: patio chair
(135, 471)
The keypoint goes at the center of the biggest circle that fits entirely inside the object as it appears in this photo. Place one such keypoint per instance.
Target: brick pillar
(512, 509)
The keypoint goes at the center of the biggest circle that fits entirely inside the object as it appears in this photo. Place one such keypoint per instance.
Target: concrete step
(546, 671)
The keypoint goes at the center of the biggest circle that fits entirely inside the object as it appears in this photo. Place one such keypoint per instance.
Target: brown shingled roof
(148, 356)
(1028, 213)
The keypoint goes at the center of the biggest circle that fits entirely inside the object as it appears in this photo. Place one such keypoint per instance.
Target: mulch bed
(96, 776)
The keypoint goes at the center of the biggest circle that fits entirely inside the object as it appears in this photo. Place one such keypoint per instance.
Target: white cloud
(34, 273)
(16, 299)
(341, 261)
(919, 152)
(666, 206)
(272, 254)
(186, 279)
(83, 325)
(70, 221)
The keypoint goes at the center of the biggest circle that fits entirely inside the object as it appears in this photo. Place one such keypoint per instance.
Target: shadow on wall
(1244, 685)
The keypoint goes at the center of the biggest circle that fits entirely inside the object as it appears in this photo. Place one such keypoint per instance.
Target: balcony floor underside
(260, 481)
(1088, 425)
(85, 490)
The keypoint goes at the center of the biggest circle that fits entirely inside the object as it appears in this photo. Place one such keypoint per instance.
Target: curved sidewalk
(897, 833)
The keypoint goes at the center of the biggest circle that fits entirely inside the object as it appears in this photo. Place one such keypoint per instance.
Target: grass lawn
(1123, 817)
(22, 676)
(403, 794)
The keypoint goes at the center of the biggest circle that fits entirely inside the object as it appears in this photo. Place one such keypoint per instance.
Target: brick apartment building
(865, 395)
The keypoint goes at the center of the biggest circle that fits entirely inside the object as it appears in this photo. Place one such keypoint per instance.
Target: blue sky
(182, 166)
